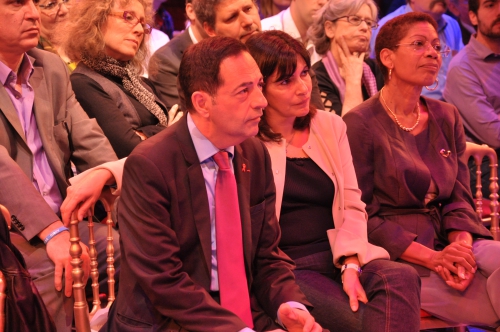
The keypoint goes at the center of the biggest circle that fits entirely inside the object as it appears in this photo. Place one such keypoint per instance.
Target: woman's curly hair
(84, 34)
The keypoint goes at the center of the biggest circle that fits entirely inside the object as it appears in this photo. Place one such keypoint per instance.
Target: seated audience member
(407, 152)
(341, 34)
(53, 20)
(164, 64)
(108, 40)
(205, 272)
(460, 9)
(473, 86)
(43, 130)
(213, 16)
(318, 203)
(272, 7)
(448, 31)
(295, 20)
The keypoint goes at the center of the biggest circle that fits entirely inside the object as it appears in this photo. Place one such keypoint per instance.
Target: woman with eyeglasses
(53, 18)
(352, 284)
(407, 151)
(341, 33)
(108, 38)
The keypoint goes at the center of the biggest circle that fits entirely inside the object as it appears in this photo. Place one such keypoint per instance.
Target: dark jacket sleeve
(458, 210)
(163, 70)
(21, 198)
(99, 105)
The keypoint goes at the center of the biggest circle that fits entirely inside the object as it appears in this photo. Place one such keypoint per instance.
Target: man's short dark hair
(200, 67)
(474, 6)
(205, 11)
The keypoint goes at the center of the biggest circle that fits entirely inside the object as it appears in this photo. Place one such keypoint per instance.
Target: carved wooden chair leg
(81, 311)
(94, 273)
(83, 319)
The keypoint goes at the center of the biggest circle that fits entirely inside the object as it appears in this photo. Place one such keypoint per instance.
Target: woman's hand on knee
(353, 289)
(459, 282)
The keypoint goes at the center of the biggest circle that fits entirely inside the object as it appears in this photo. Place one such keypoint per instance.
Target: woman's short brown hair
(84, 35)
(276, 50)
(392, 32)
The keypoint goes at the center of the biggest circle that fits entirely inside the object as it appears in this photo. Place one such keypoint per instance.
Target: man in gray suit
(164, 64)
(42, 130)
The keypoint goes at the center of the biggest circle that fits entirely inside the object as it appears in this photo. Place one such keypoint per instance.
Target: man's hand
(296, 320)
(83, 195)
(58, 252)
(353, 288)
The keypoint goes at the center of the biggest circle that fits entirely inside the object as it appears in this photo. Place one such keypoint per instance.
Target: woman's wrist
(460, 236)
(350, 260)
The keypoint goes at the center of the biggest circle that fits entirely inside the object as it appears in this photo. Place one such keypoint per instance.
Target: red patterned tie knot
(221, 158)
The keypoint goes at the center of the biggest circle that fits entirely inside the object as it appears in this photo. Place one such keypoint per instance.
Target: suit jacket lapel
(10, 113)
(44, 116)
(184, 43)
(447, 170)
(243, 178)
(196, 191)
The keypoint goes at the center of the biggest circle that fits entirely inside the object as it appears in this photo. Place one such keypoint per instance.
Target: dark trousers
(392, 289)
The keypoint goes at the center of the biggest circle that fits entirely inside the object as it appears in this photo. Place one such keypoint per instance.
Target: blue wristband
(54, 233)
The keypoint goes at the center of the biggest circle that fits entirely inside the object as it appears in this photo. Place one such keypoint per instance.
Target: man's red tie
(233, 285)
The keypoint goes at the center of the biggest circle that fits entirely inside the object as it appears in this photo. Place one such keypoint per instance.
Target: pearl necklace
(396, 118)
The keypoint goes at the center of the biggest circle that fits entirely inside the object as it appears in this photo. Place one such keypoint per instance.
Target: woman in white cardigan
(319, 205)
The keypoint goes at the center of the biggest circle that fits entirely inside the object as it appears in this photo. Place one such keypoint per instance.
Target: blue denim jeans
(392, 289)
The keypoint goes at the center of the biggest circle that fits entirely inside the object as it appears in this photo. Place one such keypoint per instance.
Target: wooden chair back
(478, 153)
(81, 311)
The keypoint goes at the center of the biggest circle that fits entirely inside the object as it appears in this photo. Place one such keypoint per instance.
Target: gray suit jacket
(67, 134)
(164, 68)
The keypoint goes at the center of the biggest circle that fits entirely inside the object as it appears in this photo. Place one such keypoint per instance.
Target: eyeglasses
(133, 20)
(421, 46)
(54, 6)
(356, 20)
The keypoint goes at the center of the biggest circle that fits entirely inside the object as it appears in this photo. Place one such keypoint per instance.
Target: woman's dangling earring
(435, 87)
(390, 74)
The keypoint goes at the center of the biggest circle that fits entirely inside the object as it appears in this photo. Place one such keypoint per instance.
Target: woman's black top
(306, 210)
